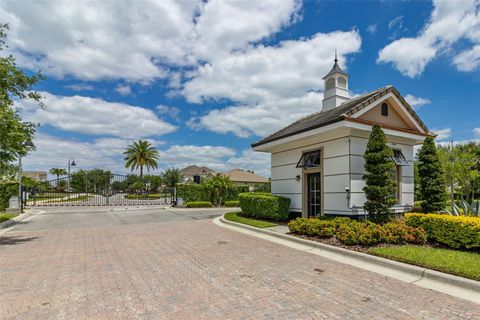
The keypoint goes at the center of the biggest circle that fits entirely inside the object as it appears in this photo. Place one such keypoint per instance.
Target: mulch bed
(335, 242)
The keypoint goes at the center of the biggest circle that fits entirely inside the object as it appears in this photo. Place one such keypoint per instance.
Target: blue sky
(203, 80)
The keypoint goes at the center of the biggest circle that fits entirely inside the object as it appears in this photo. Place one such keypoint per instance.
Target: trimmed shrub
(202, 192)
(264, 206)
(454, 231)
(194, 192)
(7, 190)
(199, 204)
(351, 232)
(233, 203)
(394, 232)
(312, 227)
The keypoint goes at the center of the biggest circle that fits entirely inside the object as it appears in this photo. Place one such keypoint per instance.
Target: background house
(190, 173)
(318, 160)
(36, 175)
(246, 178)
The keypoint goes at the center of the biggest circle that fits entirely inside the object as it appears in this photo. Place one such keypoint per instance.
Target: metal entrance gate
(101, 188)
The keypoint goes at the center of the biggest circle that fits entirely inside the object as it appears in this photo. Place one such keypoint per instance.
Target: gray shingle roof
(321, 119)
(336, 69)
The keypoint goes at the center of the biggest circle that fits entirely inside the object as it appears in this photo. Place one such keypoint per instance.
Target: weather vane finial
(336, 60)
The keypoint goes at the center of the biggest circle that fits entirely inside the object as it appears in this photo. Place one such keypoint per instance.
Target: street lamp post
(20, 194)
(70, 164)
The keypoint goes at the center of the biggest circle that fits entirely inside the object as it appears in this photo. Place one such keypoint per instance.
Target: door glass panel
(313, 194)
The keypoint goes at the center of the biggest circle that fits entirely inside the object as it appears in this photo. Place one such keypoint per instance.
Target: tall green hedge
(7, 190)
(265, 206)
(201, 192)
(455, 231)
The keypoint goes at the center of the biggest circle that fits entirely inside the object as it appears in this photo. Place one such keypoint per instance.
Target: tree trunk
(141, 172)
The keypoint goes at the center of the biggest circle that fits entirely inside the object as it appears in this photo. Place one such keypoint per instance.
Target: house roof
(345, 110)
(335, 69)
(194, 170)
(239, 175)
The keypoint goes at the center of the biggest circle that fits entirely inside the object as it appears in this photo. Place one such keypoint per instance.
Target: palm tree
(58, 172)
(141, 154)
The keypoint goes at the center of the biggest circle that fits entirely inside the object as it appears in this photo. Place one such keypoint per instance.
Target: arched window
(385, 110)
(330, 83)
(342, 82)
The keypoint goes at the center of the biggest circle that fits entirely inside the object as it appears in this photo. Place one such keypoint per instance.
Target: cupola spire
(336, 87)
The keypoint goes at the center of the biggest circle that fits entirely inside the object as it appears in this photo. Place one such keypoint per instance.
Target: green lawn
(235, 217)
(460, 263)
(6, 216)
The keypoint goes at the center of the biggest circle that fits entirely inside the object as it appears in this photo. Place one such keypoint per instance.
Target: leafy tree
(171, 177)
(433, 187)
(58, 172)
(141, 154)
(154, 181)
(220, 184)
(94, 180)
(15, 85)
(380, 184)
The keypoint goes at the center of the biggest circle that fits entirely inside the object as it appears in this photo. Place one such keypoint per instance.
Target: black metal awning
(399, 158)
(309, 160)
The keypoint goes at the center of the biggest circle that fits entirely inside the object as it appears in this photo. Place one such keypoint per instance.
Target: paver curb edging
(19, 218)
(420, 272)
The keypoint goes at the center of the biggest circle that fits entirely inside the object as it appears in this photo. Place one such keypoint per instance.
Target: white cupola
(336, 87)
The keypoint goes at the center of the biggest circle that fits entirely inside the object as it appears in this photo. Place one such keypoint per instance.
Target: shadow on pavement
(5, 240)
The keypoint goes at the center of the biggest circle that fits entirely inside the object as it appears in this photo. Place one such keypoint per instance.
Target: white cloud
(95, 116)
(468, 60)
(180, 156)
(416, 102)
(442, 134)
(135, 40)
(396, 22)
(80, 87)
(372, 28)
(172, 112)
(53, 152)
(450, 22)
(259, 162)
(476, 131)
(270, 86)
(123, 90)
(107, 153)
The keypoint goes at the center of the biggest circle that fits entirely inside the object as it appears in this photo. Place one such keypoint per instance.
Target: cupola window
(330, 83)
(385, 110)
(342, 82)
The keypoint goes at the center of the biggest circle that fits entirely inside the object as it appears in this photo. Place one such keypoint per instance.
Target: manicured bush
(199, 204)
(194, 192)
(397, 233)
(232, 203)
(454, 231)
(312, 227)
(351, 232)
(7, 190)
(202, 192)
(265, 206)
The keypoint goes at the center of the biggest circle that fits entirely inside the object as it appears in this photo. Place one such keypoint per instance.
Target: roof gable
(345, 111)
(395, 116)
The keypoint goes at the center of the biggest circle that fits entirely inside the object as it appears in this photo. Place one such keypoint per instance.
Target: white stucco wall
(335, 178)
(357, 149)
(343, 167)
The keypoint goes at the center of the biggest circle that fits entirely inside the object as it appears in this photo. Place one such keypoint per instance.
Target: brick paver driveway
(164, 265)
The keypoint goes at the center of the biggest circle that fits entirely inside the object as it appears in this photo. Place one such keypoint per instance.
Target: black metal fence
(101, 188)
